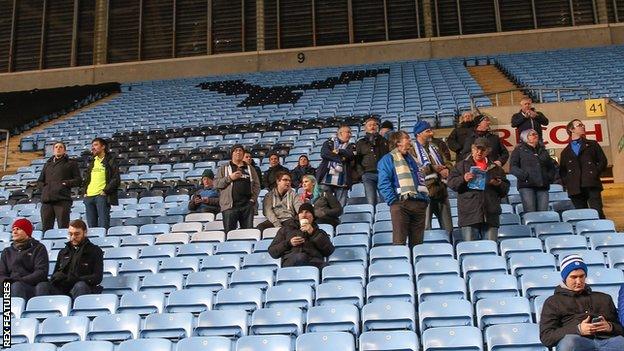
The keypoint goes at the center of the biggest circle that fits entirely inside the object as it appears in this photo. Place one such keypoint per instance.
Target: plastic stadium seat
(539, 283)
(389, 269)
(289, 295)
(226, 263)
(123, 230)
(552, 229)
(504, 310)
(252, 277)
(606, 280)
(594, 226)
(432, 250)
(353, 228)
(234, 247)
(47, 306)
(248, 299)
(509, 219)
(154, 229)
(615, 258)
(145, 344)
(231, 323)
(606, 242)
(388, 316)
(23, 330)
(118, 253)
(115, 327)
(344, 318)
(158, 251)
(95, 305)
(140, 267)
(390, 289)
(34, 347)
(52, 234)
(17, 307)
(120, 285)
(356, 240)
(474, 266)
(215, 236)
(106, 242)
(511, 246)
(381, 239)
(88, 345)
(557, 244)
(213, 280)
(538, 305)
(435, 288)
(199, 217)
(142, 302)
(532, 218)
(325, 341)
(523, 336)
(303, 274)
(436, 266)
(172, 238)
(436, 236)
(187, 227)
(573, 216)
(168, 326)
(349, 255)
(345, 273)
(195, 250)
(513, 231)
(592, 258)
(493, 286)
(264, 343)
(270, 233)
(389, 340)
(63, 329)
(339, 293)
(162, 282)
(244, 234)
(464, 338)
(260, 259)
(281, 320)
(521, 263)
(476, 248)
(184, 265)
(193, 301)
(205, 343)
(442, 313)
(137, 241)
(393, 253)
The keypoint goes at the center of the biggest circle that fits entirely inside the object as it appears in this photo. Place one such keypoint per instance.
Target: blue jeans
(369, 180)
(534, 199)
(483, 231)
(98, 211)
(573, 342)
(339, 192)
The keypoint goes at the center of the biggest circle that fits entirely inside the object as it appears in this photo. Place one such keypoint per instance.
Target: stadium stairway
(491, 80)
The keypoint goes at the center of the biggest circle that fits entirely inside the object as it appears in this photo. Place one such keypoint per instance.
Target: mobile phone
(597, 320)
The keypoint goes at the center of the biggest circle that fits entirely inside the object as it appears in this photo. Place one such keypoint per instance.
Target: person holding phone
(578, 318)
(528, 118)
(206, 198)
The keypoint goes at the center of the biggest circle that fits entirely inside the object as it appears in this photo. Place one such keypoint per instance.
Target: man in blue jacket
(404, 190)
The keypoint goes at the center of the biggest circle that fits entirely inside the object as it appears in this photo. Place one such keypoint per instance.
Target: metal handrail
(536, 91)
(6, 149)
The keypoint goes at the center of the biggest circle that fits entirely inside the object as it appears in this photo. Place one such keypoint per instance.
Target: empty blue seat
(615, 258)
(183, 265)
(199, 250)
(390, 289)
(606, 242)
(389, 340)
(234, 247)
(503, 310)
(435, 288)
(288, 321)
(194, 301)
(559, 243)
(290, 295)
(158, 251)
(162, 282)
(438, 266)
(513, 231)
(247, 299)
(432, 250)
(539, 283)
(576, 215)
(476, 248)
(47, 306)
(593, 226)
(264, 343)
(88, 345)
(325, 341)
(345, 273)
(260, 259)
(353, 228)
(474, 266)
(168, 325)
(349, 255)
(545, 230)
(117, 253)
(511, 246)
(343, 318)
(230, 323)
(95, 305)
(139, 267)
(252, 277)
(17, 306)
(226, 263)
(606, 280)
(205, 343)
(213, 280)
(521, 263)
(244, 234)
(532, 218)
(355, 240)
(388, 316)
(23, 330)
(142, 302)
(444, 313)
(63, 329)
(338, 293)
(452, 338)
(34, 347)
(521, 336)
(494, 285)
(154, 228)
(145, 344)
(120, 285)
(304, 274)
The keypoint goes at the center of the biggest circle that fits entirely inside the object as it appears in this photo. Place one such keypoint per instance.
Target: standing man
(101, 182)
(459, 134)
(79, 267)
(403, 188)
(435, 167)
(582, 162)
(59, 175)
(206, 198)
(280, 204)
(528, 118)
(274, 167)
(25, 263)
(369, 150)
(238, 187)
(250, 161)
(498, 153)
(334, 172)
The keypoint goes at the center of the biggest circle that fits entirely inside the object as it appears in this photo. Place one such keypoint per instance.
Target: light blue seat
(182, 265)
(436, 236)
(248, 299)
(606, 280)
(88, 345)
(464, 338)
(532, 218)
(523, 262)
(439, 250)
(353, 228)
(511, 246)
(63, 329)
(492, 286)
(476, 248)
(339, 293)
(388, 316)
(260, 259)
(23, 330)
(356, 240)
(230, 323)
(252, 277)
(559, 243)
(606, 242)
(193, 301)
(213, 280)
(539, 283)
(349, 255)
(390, 289)
(158, 251)
(345, 273)
(162, 282)
(142, 302)
(137, 241)
(17, 307)
(298, 295)
(251, 234)
(538, 305)
(119, 253)
(343, 318)
(47, 306)
(509, 219)
(119, 285)
(52, 234)
(187, 227)
(264, 343)
(592, 258)
(513, 231)
(389, 341)
(282, 320)
(95, 305)
(302, 274)
(615, 258)
(34, 347)
(145, 344)
(576, 215)
(154, 228)
(227, 263)
(545, 230)
(168, 326)
(444, 313)
(436, 266)
(123, 230)
(503, 310)
(140, 267)
(325, 341)
(390, 269)
(473, 266)
(106, 242)
(393, 253)
(199, 250)
(435, 288)
(205, 343)
(521, 336)
(234, 247)
(594, 226)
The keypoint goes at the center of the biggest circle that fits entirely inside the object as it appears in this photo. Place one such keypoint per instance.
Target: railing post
(496, 97)
(558, 95)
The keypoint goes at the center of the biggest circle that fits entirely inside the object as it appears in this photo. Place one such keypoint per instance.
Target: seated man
(280, 204)
(25, 263)
(206, 198)
(577, 318)
(79, 267)
(301, 242)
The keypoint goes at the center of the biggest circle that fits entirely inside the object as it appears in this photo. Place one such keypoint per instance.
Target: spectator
(498, 152)
(535, 170)
(280, 204)
(334, 173)
(435, 167)
(250, 161)
(327, 209)
(274, 167)
(479, 206)
(79, 266)
(369, 150)
(302, 169)
(443, 148)
(206, 198)
(24, 264)
(238, 187)
(59, 175)
(527, 118)
(578, 318)
(386, 130)
(582, 162)
(300, 242)
(404, 190)
(621, 304)
(101, 182)
(458, 136)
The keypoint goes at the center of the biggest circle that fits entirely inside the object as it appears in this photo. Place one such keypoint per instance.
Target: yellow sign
(595, 108)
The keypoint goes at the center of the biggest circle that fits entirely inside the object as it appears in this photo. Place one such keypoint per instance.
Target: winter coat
(57, 178)
(564, 311)
(345, 156)
(327, 209)
(522, 123)
(281, 209)
(498, 150)
(88, 269)
(113, 179)
(299, 172)
(368, 154)
(318, 245)
(208, 204)
(223, 183)
(270, 175)
(388, 182)
(458, 136)
(533, 167)
(28, 264)
(478, 206)
(582, 171)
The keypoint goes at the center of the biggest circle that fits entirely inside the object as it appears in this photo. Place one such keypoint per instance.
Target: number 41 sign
(595, 108)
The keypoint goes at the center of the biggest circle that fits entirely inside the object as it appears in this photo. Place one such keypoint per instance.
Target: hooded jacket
(318, 245)
(564, 311)
(369, 150)
(28, 264)
(84, 263)
(57, 178)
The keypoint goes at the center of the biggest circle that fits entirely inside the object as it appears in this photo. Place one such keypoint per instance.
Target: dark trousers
(80, 288)
(98, 211)
(302, 259)
(589, 198)
(58, 210)
(408, 221)
(236, 216)
(23, 290)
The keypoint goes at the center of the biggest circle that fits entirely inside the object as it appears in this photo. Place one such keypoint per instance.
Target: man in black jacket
(25, 263)
(458, 135)
(101, 182)
(274, 167)
(79, 267)
(59, 175)
(528, 118)
(578, 318)
(582, 162)
(368, 151)
(303, 168)
(498, 152)
(300, 242)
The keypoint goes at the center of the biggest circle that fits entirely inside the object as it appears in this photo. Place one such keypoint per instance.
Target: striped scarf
(404, 174)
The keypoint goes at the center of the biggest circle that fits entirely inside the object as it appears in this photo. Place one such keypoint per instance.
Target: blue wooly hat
(571, 263)
(421, 126)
